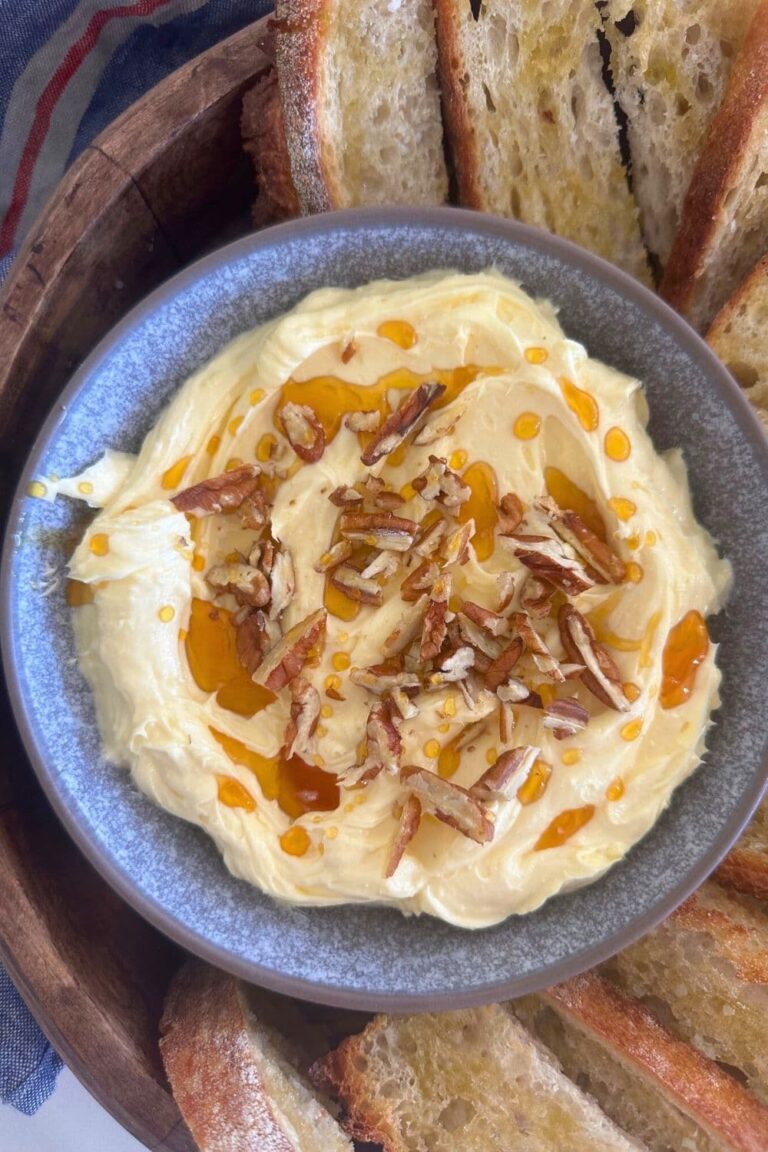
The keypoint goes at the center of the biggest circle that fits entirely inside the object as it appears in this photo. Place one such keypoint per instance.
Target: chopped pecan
(439, 482)
(449, 802)
(408, 628)
(408, 826)
(377, 492)
(420, 580)
(600, 675)
(282, 580)
(305, 713)
(456, 666)
(608, 567)
(546, 558)
(251, 640)
(349, 349)
(346, 497)
(402, 702)
(471, 633)
(506, 582)
(566, 717)
(356, 587)
(380, 682)
(262, 556)
(383, 564)
(383, 745)
(403, 420)
(254, 511)
(222, 493)
(536, 598)
(455, 548)
(511, 514)
(379, 530)
(435, 618)
(248, 585)
(502, 779)
(335, 555)
(285, 660)
(440, 426)
(542, 657)
(362, 421)
(499, 670)
(304, 431)
(513, 691)
(486, 619)
(507, 721)
(430, 538)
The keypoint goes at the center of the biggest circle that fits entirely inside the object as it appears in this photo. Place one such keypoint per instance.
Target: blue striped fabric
(68, 68)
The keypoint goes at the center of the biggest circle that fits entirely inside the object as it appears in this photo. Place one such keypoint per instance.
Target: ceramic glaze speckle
(171, 871)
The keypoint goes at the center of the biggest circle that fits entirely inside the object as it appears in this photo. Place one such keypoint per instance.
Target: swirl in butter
(535, 416)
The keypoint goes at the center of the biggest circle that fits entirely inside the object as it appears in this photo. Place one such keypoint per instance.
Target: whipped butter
(523, 411)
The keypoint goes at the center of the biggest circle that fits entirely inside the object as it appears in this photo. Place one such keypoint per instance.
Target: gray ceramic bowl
(168, 870)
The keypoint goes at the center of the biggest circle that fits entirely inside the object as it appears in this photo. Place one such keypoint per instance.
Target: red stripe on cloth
(48, 100)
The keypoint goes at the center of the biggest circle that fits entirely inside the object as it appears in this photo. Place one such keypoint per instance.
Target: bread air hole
(457, 1114)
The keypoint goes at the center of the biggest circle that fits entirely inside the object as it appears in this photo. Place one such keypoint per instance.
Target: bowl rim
(349, 221)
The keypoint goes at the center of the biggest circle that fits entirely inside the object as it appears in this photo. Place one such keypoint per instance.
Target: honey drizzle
(573, 499)
(481, 507)
(211, 650)
(685, 649)
(296, 786)
(564, 826)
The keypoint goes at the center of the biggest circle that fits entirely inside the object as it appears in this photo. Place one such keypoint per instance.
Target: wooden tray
(165, 182)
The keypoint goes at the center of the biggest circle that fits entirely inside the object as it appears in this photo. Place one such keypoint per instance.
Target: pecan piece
(455, 549)
(304, 431)
(566, 717)
(251, 640)
(546, 558)
(305, 713)
(608, 567)
(420, 580)
(399, 423)
(439, 482)
(502, 779)
(514, 691)
(362, 421)
(435, 618)
(511, 514)
(484, 618)
(379, 530)
(408, 826)
(430, 538)
(379, 681)
(408, 628)
(601, 675)
(506, 582)
(357, 587)
(349, 350)
(383, 745)
(456, 666)
(285, 660)
(441, 426)
(282, 581)
(542, 657)
(449, 802)
(482, 641)
(383, 564)
(262, 556)
(536, 598)
(335, 555)
(499, 670)
(346, 497)
(403, 704)
(248, 585)
(254, 511)
(222, 493)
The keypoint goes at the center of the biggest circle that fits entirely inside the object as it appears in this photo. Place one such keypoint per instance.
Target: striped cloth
(68, 68)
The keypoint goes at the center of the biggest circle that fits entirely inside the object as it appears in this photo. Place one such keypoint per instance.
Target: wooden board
(164, 183)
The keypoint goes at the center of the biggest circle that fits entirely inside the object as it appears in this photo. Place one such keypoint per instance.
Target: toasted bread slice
(739, 336)
(530, 123)
(263, 134)
(724, 222)
(360, 102)
(746, 865)
(707, 965)
(234, 1077)
(474, 1080)
(643, 1076)
(670, 62)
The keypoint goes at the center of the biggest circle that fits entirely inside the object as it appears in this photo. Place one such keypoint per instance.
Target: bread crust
(210, 1064)
(301, 28)
(718, 169)
(689, 1080)
(746, 870)
(460, 138)
(736, 942)
(734, 302)
(263, 134)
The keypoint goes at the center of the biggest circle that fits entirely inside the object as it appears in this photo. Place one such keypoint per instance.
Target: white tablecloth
(70, 1121)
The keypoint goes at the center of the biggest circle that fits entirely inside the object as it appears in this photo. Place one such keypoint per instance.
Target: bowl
(372, 957)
